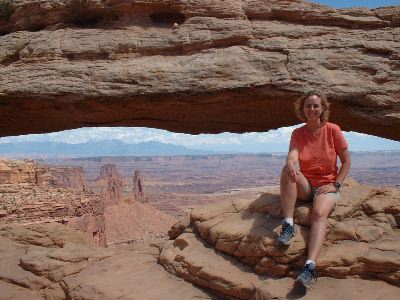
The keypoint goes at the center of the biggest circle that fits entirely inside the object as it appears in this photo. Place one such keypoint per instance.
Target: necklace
(316, 131)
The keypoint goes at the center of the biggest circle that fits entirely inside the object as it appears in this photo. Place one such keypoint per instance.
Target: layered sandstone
(164, 63)
(68, 177)
(219, 249)
(30, 193)
(16, 172)
(52, 261)
(363, 241)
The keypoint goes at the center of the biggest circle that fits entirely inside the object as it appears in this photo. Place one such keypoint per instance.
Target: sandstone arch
(195, 66)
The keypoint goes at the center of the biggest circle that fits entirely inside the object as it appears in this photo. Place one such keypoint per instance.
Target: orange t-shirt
(318, 154)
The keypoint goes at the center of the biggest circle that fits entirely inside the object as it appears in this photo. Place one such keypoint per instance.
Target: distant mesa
(108, 170)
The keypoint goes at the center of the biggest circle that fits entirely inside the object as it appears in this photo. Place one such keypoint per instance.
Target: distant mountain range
(118, 148)
(99, 148)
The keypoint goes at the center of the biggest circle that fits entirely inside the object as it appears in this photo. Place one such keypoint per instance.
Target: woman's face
(312, 108)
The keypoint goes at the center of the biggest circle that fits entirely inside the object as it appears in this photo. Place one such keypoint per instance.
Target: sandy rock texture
(135, 222)
(52, 261)
(31, 193)
(67, 177)
(164, 63)
(15, 172)
(224, 246)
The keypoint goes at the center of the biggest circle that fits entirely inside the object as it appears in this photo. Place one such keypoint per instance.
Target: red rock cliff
(30, 194)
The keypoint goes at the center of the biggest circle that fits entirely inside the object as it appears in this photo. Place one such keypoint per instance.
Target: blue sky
(271, 141)
(369, 3)
(254, 142)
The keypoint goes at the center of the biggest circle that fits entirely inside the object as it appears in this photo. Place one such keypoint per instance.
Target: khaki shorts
(336, 195)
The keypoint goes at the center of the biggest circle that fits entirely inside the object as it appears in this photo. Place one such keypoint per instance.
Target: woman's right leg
(291, 189)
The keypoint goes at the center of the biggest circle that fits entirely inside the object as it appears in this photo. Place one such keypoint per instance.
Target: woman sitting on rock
(315, 147)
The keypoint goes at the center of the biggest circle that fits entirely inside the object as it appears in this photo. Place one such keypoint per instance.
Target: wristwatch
(337, 185)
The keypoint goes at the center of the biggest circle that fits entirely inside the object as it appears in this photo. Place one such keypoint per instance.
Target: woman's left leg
(322, 206)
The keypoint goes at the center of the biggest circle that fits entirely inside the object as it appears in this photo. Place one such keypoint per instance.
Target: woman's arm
(344, 169)
(291, 161)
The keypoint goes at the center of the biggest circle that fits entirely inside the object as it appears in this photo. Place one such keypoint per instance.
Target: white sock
(289, 221)
(309, 261)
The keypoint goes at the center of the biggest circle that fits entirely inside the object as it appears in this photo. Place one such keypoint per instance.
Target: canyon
(226, 246)
(176, 184)
(223, 242)
(195, 67)
(31, 194)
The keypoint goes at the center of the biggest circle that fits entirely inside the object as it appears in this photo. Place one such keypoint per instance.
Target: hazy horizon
(43, 146)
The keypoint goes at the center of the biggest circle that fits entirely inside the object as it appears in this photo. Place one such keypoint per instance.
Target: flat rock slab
(197, 262)
(363, 241)
(51, 261)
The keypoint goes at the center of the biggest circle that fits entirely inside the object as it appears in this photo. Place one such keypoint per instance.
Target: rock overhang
(194, 67)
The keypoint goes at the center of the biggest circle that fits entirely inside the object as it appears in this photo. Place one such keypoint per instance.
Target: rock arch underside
(195, 66)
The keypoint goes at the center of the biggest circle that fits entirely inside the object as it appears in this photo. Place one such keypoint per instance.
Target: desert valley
(175, 184)
(148, 206)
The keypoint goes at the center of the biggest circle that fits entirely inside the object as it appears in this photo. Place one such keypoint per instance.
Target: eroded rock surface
(129, 217)
(69, 177)
(195, 66)
(30, 193)
(15, 172)
(363, 241)
(111, 182)
(52, 261)
(135, 223)
(138, 191)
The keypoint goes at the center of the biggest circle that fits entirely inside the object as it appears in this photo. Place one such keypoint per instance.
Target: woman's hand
(291, 171)
(327, 188)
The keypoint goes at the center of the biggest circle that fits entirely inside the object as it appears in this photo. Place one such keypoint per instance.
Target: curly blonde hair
(299, 105)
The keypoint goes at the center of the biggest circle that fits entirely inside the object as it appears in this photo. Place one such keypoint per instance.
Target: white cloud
(138, 134)
(273, 140)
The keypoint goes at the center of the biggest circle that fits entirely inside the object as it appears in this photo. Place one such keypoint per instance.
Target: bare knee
(319, 214)
(285, 175)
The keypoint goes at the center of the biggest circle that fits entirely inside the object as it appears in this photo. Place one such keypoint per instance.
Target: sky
(251, 142)
(271, 141)
(353, 3)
